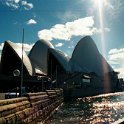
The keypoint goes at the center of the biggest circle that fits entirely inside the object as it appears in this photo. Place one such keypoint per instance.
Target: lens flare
(100, 6)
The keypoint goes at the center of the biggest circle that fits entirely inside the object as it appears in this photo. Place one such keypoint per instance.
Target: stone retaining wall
(30, 109)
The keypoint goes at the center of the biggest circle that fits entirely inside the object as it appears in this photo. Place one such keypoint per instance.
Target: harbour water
(101, 109)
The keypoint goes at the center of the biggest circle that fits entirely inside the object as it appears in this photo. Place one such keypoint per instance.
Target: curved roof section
(13, 52)
(87, 56)
(77, 68)
(39, 55)
(62, 58)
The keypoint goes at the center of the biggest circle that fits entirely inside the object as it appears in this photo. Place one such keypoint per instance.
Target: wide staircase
(31, 109)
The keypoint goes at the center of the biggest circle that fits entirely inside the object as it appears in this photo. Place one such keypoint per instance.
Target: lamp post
(16, 73)
(40, 79)
(21, 85)
(56, 76)
(42, 83)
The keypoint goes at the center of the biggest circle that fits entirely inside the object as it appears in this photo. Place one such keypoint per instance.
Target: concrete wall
(33, 108)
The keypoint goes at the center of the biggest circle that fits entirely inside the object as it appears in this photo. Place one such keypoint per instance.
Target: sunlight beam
(100, 6)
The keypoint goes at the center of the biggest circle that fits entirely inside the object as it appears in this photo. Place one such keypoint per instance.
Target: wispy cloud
(68, 16)
(114, 8)
(107, 29)
(71, 44)
(79, 27)
(99, 30)
(59, 45)
(31, 22)
(116, 59)
(27, 6)
(71, 47)
(117, 7)
(15, 4)
(12, 3)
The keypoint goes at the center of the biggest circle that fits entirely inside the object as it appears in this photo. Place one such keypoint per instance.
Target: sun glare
(100, 6)
(99, 3)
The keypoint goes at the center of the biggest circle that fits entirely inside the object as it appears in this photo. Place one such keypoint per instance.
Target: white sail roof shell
(62, 58)
(18, 50)
(88, 59)
(39, 55)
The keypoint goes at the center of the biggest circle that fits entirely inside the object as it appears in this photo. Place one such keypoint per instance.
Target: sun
(100, 3)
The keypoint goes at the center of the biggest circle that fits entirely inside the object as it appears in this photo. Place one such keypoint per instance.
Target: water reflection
(100, 109)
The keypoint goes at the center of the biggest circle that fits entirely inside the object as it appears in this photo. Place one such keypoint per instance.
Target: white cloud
(107, 29)
(45, 34)
(116, 51)
(116, 56)
(59, 45)
(100, 30)
(121, 71)
(71, 44)
(31, 21)
(27, 5)
(71, 47)
(15, 4)
(79, 27)
(12, 3)
(116, 59)
(17, 1)
(27, 47)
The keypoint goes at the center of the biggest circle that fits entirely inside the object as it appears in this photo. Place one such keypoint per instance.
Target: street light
(16, 73)
(56, 75)
(40, 79)
(21, 85)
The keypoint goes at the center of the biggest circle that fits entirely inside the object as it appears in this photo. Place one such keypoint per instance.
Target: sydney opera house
(46, 66)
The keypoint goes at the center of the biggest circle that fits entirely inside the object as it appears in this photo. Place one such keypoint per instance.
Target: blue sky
(64, 23)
